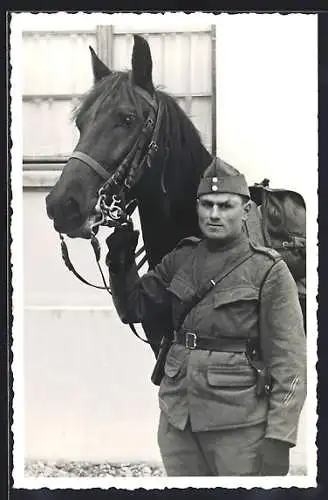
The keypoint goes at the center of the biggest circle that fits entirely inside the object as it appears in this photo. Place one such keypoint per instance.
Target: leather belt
(192, 341)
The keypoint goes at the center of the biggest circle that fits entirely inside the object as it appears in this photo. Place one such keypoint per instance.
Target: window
(57, 71)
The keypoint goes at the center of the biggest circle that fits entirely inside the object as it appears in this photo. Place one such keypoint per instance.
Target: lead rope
(96, 249)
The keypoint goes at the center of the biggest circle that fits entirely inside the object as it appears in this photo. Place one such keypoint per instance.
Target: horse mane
(180, 148)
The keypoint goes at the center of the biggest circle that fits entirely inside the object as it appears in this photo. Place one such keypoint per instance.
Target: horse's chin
(85, 231)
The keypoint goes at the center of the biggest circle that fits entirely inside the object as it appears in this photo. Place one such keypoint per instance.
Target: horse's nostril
(67, 210)
(70, 203)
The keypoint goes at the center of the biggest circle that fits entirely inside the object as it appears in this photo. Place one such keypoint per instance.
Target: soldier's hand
(121, 248)
(274, 457)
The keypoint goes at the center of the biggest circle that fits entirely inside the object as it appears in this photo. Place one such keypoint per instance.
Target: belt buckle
(192, 337)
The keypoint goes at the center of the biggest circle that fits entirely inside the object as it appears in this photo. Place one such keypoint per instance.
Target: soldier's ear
(247, 207)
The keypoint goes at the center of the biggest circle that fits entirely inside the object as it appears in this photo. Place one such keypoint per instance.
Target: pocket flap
(230, 376)
(235, 294)
(171, 370)
(172, 365)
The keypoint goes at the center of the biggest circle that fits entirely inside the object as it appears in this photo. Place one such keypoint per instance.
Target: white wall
(267, 97)
(87, 391)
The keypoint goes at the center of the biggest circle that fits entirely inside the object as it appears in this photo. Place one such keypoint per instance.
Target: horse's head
(117, 121)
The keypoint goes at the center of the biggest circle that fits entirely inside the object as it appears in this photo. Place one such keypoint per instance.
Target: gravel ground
(37, 468)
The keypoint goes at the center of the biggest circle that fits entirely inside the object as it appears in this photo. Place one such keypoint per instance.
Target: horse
(136, 143)
(110, 119)
(162, 173)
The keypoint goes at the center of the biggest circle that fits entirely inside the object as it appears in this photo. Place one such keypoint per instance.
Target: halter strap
(153, 146)
(93, 164)
(146, 96)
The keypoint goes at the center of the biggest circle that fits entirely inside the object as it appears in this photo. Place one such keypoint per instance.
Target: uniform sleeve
(284, 352)
(136, 297)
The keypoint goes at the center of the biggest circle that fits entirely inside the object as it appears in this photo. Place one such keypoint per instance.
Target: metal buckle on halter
(153, 147)
(149, 122)
(151, 150)
(191, 340)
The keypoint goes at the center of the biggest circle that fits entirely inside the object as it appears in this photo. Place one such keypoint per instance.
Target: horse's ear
(142, 64)
(99, 69)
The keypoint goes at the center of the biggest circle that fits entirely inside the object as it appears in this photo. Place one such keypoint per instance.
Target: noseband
(130, 169)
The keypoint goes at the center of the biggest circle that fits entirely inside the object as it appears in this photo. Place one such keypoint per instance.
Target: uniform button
(214, 188)
(215, 179)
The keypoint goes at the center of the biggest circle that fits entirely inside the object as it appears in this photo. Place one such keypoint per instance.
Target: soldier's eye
(206, 204)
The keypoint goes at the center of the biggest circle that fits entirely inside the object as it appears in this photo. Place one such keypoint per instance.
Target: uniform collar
(221, 246)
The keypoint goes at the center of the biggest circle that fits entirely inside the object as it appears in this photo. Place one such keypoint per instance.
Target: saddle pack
(278, 220)
(283, 223)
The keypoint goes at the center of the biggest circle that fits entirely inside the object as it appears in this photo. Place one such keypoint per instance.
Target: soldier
(234, 377)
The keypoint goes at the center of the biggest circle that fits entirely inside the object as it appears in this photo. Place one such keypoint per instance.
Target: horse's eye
(128, 120)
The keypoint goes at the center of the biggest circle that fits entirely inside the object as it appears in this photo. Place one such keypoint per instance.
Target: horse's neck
(166, 218)
(162, 231)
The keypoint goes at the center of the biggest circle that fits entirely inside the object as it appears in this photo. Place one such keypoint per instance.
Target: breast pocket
(236, 310)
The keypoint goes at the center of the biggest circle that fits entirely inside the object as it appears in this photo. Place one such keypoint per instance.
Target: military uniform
(212, 391)
(212, 419)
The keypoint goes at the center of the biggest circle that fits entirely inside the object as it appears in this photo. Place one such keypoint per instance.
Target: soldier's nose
(215, 212)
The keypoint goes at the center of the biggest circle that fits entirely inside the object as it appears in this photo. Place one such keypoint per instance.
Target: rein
(126, 175)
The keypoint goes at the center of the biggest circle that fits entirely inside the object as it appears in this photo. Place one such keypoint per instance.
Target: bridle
(114, 213)
(131, 167)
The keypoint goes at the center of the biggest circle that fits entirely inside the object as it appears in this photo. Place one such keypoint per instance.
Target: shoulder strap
(270, 252)
(200, 294)
(189, 241)
(253, 224)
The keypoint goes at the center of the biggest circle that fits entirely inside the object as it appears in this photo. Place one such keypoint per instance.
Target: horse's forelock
(107, 92)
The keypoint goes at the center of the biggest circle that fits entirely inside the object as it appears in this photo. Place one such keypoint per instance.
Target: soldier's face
(221, 215)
